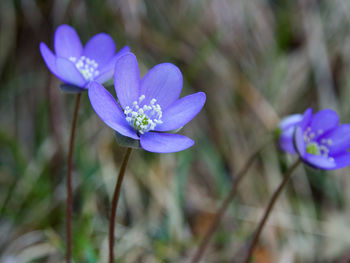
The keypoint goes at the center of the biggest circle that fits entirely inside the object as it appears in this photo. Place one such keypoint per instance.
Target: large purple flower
(77, 65)
(321, 141)
(147, 107)
(285, 132)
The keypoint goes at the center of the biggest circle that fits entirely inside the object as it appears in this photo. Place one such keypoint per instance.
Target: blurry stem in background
(71, 6)
(217, 218)
(69, 179)
(345, 258)
(269, 209)
(115, 204)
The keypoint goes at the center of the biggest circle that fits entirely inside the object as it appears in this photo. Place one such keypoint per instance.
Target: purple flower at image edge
(149, 106)
(321, 141)
(77, 65)
(285, 132)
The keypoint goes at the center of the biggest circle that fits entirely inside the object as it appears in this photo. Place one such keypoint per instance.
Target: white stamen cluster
(86, 66)
(145, 118)
(314, 147)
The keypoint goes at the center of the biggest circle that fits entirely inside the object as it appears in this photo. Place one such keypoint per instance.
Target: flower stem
(115, 204)
(269, 209)
(69, 180)
(217, 218)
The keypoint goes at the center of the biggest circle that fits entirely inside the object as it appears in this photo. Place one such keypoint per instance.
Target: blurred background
(256, 60)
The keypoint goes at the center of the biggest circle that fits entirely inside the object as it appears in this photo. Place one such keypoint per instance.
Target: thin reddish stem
(269, 209)
(115, 204)
(69, 180)
(220, 213)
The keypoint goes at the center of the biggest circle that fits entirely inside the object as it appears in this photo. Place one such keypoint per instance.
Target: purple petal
(319, 161)
(290, 121)
(342, 160)
(181, 112)
(69, 73)
(108, 110)
(123, 51)
(339, 139)
(106, 72)
(299, 142)
(127, 79)
(286, 144)
(49, 58)
(67, 42)
(324, 120)
(164, 83)
(306, 118)
(101, 48)
(287, 127)
(164, 142)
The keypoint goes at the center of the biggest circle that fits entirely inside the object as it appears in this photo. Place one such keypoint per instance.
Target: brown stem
(69, 179)
(269, 209)
(71, 6)
(115, 204)
(216, 220)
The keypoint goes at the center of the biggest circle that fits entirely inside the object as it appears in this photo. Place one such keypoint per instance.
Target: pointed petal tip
(126, 48)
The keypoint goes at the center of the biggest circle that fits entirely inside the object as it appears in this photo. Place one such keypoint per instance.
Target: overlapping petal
(290, 122)
(49, 58)
(108, 110)
(286, 144)
(67, 42)
(127, 79)
(165, 142)
(101, 48)
(306, 118)
(319, 161)
(299, 141)
(107, 71)
(286, 130)
(164, 83)
(324, 120)
(181, 112)
(342, 160)
(339, 139)
(69, 73)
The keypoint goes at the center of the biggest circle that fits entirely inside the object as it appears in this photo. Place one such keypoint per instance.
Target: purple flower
(285, 132)
(321, 141)
(77, 65)
(148, 107)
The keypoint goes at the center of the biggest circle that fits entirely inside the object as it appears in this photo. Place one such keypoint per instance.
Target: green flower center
(141, 121)
(143, 118)
(313, 148)
(317, 146)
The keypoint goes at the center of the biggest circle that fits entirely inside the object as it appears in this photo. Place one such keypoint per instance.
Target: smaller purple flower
(285, 132)
(77, 65)
(147, 107)
(321, 141)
